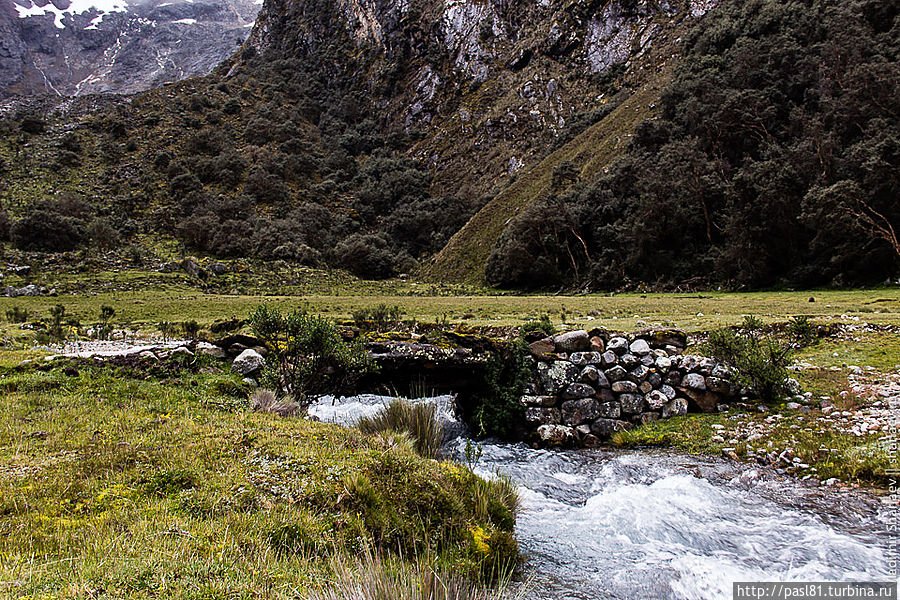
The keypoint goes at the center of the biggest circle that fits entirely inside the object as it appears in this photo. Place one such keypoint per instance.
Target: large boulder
(573, 341)
(639, 347)
(557, 435)
(556, 376)
(604, 428)
(619, 345)
(575, 412)
(542, 347)
(675, 408)
(248, 363)
(578, 390)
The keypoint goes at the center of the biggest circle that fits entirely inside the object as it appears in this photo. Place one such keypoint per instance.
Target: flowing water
(598, 524)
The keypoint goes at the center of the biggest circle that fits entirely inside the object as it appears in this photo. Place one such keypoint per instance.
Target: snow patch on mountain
(29, 8)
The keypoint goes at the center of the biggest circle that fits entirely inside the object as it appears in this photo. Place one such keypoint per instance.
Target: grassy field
(154, 480)
(693, 312)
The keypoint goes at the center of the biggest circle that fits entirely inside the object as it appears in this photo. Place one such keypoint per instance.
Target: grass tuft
(418, 420)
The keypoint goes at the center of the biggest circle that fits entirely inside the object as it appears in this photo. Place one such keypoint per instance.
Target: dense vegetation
(280, 158)
(775, 161)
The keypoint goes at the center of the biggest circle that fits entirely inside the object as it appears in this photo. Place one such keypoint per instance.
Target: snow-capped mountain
(75, 47)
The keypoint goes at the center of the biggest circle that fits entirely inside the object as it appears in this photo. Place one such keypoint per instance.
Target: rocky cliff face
(76, 47)
(493, 80)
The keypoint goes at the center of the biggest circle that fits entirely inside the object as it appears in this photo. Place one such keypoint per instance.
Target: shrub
(419, 420)
(46, 229)
(497, 408)
(190, 328)
(17, 315)
(802, 332)
(368, 256)
(307, 357)
(759, 360)
(543, 325)
(105, 326)
(381, 317)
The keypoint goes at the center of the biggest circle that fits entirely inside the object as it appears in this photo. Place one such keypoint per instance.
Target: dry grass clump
(263, 400)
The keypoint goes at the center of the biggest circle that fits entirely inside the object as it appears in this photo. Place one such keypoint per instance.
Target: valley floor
(137, 480)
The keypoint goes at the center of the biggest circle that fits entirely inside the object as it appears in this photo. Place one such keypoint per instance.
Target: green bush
(802, 332)
(307, 357)
(418, 420)
(497, 407)
(17, 315)
(543, 324)
(380, 318)
(759, 360)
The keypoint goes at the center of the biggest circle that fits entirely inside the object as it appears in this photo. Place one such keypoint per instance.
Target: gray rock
(583, 430)
(656, 399)
(542, 415)
(537, 400)
(218, 268)
(638, 374)
(594, 376)
(193, 268)
(639, 347)
(792, 386)
(575, 412)
(211, 350)
(180, 351)
(557, 375)
(675, 408)
(645, 387)
(632, 404)
(707, 365)
(148, 355)
(648, 360)
(604, 428)
(720, 386)
(619, 345)
(694, 381)
(668, 390)
(629, 361)
(721, 371)
(585, 358)
(663, 363)
(250, 381)
(578, 390)
(616, 373)
(793, 406)
(573, 341)
(609, 358)
(556, 435)
(624, 387)
(609, 410)
(654, 379)
(248, 362)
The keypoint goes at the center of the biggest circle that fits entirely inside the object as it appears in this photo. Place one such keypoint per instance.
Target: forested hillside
(775, 160)
(588, 145)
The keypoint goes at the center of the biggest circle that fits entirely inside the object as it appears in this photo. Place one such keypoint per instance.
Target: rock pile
(588, 385)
